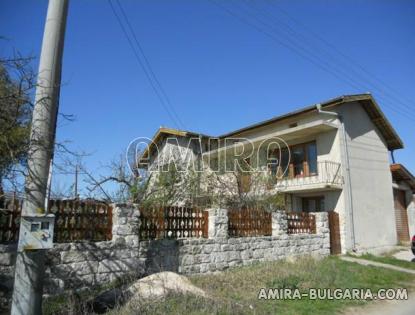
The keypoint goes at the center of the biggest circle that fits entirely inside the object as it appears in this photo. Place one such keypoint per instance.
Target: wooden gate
(334, 226)
(401, 217)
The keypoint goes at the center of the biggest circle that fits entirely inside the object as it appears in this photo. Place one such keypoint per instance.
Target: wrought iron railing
(326, 172)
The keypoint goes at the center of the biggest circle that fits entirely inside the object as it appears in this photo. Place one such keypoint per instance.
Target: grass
(389, 260)
(236, 290)
(76, 301)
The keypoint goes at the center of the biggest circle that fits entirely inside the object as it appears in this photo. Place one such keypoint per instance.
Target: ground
(405, 255)
(236, 290)
(401, 258)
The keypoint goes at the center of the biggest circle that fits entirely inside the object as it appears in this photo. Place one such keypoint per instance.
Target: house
(403, 196)
(332, 156)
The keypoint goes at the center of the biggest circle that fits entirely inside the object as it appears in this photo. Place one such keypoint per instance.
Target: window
(298, 157)
(302, 162)
(313, 204)
(279, 163)
(312, 158)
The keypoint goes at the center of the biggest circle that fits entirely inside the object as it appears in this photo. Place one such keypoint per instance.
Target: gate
(334, 226)
(401, 217)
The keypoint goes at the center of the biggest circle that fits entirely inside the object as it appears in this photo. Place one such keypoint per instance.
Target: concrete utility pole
(29, 269)
(76, 182)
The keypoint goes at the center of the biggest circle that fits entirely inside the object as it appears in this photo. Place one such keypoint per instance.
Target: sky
(222, 64)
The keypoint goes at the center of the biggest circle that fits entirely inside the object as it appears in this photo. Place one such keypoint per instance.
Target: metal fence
(301, 222)
(173, 222)
(75, 220)
(249, 222)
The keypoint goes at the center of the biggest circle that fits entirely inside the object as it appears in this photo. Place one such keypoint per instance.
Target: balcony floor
(308, 187)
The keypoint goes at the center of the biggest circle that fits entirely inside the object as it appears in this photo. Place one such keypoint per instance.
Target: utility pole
(76, 182)
(29, 268)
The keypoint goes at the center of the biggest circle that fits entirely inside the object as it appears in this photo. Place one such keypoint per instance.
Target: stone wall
(81, 265)
(84, 264)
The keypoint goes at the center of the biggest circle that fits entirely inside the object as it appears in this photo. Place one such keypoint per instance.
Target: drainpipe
(348, 177)
(393, 156)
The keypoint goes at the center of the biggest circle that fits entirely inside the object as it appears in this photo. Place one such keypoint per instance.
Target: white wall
(371, 180)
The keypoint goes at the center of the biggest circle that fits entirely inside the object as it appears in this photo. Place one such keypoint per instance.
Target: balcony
(328, 177)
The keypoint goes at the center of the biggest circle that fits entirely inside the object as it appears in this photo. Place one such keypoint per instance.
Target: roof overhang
(287, 135)
(158, 137)
(393, 141)
(400, 173)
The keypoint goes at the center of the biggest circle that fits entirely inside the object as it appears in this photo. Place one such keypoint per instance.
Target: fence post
(218, 223)
(125, 224)
(279, 223)
(322, 222)
(322, 227)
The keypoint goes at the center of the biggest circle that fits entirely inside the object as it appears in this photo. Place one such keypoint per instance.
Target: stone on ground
(160, 284)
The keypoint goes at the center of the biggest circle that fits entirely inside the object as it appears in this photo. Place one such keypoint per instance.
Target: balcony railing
(328, 173)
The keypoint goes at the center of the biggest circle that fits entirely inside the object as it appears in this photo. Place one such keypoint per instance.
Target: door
(313, 204)
(401, 216)
(334, 226)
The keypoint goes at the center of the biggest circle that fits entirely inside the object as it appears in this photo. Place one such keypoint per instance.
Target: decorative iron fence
(81, 220)
(173, 222)
(75, 220)
(249, 222)
(301, 222)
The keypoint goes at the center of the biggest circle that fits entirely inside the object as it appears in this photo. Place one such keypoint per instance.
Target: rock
(160, 284)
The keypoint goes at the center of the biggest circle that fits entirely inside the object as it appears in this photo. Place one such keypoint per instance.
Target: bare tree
(233, 183)
(17, 82)
(17, 87)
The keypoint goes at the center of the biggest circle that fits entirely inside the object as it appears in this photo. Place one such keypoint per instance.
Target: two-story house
(334, 157)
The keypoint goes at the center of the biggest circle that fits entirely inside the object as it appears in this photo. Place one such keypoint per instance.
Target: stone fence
(87, 264)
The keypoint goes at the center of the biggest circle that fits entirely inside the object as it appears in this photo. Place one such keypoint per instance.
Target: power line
(327, 43)
(149, 65)
(146, 67)
(334, 53)
(344, 75)
(293, 46)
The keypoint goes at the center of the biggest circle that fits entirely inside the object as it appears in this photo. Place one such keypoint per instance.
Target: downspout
(199, 165)
(393, 156)
(347, 175)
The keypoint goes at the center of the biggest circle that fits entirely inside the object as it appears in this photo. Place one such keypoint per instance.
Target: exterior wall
(411, 214)
(84, 265)
(328, 146)
(372, 222)
(175, 149)
(372, 197)
(191, 256)
(333, 200)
